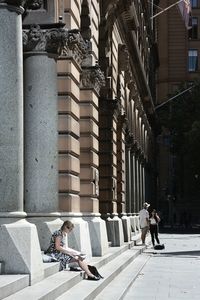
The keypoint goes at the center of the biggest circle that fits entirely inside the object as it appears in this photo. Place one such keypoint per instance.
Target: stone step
(10, 284)
(51, 268)
(119, 286)
(57, 283)
(89, 290)
(49, 288)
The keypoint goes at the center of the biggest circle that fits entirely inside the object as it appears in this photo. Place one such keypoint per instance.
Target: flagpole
(165, 9)
(177, 95)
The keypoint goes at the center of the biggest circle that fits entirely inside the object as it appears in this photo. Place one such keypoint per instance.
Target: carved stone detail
(75, 47)
(129, 139)
(51, 41)
(92, 78)
(123, 57)
(31, 4)
(123, 121)
(110, 106)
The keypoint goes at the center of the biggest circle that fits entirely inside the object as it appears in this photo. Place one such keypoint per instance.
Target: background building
(179, 48)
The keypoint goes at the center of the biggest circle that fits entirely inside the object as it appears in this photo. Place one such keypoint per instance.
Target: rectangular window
(193, 32)
(194, 3)
(192, 60)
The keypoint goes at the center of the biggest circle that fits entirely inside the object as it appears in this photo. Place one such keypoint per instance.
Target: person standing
(154, 220)
(144, 221)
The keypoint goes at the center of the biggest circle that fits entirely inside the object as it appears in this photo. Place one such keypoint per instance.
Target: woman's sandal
(93, 278)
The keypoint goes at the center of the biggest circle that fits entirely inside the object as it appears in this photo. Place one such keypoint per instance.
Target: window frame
(192, 60)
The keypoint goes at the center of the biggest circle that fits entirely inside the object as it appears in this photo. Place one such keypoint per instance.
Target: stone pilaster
(109, 112)
(69, 98)
(92, 79)
(19, 257)
(41, 48)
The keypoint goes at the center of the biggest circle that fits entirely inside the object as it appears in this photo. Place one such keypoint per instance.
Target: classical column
(41, 48)
(11, 112)
(19, 257)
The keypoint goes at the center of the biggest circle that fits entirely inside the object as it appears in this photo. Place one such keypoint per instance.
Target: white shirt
(143, 215)
(152, 221)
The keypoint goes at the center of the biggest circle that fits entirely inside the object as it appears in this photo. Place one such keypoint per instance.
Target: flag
(185, 10)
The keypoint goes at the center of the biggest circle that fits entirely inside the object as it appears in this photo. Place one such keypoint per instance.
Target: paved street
(173, 273)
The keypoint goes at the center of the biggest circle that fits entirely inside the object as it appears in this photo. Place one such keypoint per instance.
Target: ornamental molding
(110, 106)
(51, 41)
(27, 4)
(75, 47)
(129, 139)
(92, 78)
(123, 58)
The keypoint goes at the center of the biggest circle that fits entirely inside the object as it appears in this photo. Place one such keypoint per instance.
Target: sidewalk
(172, 273)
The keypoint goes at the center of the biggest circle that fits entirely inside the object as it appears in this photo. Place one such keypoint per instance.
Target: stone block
(71, 21)
(69, 163)
(65, 66)
(98, 235)
(66, 85)
(89, 142)
(67, 123)
(45, 227)
(89, 96)
(69, 183)
(67, 143)
(88, 110)
(89, 158)
(68, 105)
(69, 202)
(79, 237)
(20, 250)
(115, 231)
(126, 228)
(89, 204)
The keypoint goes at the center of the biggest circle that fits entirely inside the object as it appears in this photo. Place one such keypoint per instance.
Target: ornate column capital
(30, 4)
(38, 40)
(75, 46)
(92, 78)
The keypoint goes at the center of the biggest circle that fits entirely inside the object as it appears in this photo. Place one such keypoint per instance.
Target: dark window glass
(193, 32)
(194, 3)
(192, 60)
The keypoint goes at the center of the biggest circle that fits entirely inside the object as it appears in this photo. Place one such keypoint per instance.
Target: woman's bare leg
(83, 265)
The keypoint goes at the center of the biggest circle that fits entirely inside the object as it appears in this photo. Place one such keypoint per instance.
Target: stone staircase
(119, 267)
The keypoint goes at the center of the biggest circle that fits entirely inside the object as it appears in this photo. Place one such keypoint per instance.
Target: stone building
(179, 50)
(77, 124)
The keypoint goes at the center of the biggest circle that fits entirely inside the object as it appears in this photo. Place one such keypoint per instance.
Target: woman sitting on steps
(58, 250)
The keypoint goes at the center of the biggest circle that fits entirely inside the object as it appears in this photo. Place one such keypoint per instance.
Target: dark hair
(67, 224)
(155, 216)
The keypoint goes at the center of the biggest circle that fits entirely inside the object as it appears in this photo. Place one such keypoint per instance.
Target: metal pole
(165, 9)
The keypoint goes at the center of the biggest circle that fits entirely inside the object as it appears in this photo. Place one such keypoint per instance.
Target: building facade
(178, 53)
(77, 135)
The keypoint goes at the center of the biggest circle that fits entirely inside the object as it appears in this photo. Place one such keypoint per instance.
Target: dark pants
(154, 234)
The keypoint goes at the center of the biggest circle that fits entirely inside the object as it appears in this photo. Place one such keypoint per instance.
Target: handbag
(159, 247)
(94, 271)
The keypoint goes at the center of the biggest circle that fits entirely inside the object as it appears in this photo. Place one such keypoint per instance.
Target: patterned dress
(57, 255)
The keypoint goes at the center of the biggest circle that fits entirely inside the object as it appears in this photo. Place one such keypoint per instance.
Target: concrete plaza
(173, 273)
